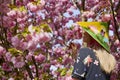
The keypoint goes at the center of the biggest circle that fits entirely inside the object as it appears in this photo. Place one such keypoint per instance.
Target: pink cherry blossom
(88, 14)
(68, 78)
(15, 41)
(12, 13)
(2, 51)
(32, 7)
(6, 67)
(40, 58)
(8, 56)
(106, 18)
(46, 66)
(31, 45)
(42, 2)
(18, 62)
(44, 37)
(29, 56)
(21, 29)
(11, 79)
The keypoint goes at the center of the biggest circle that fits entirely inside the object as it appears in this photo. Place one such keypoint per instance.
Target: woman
(94, 62)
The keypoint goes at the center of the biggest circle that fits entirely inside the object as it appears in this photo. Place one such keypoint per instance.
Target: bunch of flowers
(38, 40)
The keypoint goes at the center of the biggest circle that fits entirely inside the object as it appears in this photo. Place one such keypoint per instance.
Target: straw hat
(97, 30)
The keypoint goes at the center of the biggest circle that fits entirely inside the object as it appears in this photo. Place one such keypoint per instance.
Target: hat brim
(98, 37)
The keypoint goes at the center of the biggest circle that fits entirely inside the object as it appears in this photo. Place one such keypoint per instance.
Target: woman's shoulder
(86, 50)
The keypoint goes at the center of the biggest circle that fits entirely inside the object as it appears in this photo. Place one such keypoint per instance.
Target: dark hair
(91, 42)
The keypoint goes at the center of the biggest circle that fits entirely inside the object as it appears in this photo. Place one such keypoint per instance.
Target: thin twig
(14, 2)
(115, 22)
(28, 70)
(81, 9)
(35, 66)
(83, 5)
(27, 66)
(3, 35)
(118, 6)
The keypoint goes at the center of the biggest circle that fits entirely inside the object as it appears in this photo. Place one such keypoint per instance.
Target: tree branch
(14, 2)
(27, 66)
(29, 70)
(3, 36)
(115, 22)
(34, 62)
(118, 6)
(83, 5)
(78, 6)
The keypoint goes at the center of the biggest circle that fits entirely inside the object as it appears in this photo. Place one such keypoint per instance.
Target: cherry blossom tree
(39, 38)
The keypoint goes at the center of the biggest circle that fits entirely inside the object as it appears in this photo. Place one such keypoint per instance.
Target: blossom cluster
(39, 38)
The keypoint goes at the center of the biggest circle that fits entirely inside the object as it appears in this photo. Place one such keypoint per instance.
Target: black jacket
(87, 66)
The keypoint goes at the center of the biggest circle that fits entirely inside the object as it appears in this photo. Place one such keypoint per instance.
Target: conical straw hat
(97, 30)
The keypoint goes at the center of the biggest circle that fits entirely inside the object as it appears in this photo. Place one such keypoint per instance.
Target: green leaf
(36, 2)
(22, 8)
(25, 32)
(14, 51)
(12, 6)
(45, 27)
(36, 29)
(36, 78)
(59, 59)
(63, 72)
